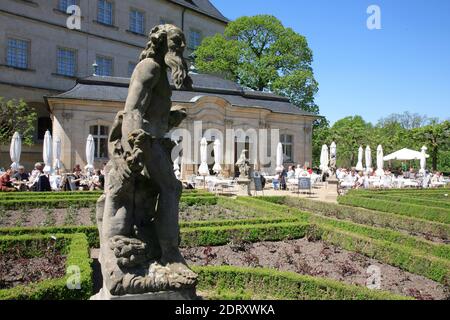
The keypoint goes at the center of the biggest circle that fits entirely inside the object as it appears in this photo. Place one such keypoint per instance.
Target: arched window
(100, 134)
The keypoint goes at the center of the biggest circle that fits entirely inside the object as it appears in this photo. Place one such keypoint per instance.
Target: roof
(202, 6)
(97, 88)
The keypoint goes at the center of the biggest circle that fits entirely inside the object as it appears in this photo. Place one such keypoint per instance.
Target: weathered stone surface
(138, 212)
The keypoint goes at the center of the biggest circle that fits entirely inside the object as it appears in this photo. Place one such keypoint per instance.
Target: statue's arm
(143, 80)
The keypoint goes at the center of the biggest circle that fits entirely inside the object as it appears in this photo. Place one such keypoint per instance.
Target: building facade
(40, 56)
(216, 109)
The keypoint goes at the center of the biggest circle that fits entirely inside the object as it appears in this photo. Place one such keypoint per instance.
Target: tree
(260, 53)
(406, 120)
(350, 133)
(16, 116)
(436, 137)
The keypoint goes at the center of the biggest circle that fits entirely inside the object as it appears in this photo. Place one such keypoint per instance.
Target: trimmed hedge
(85, 202)
(366, 216)
(77, 249)
(238, 283)
(411, 210)
(222, 235)
(408, 199)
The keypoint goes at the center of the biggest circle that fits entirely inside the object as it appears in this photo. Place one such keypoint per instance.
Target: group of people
(37, 180)
(293, 173)
(350, 178)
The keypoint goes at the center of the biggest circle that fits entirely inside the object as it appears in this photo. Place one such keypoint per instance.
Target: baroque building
(40, 56)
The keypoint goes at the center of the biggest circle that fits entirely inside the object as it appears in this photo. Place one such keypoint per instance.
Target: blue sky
(405, 66)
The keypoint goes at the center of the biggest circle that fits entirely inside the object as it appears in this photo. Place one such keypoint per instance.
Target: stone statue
(243, 164)
(138, 213)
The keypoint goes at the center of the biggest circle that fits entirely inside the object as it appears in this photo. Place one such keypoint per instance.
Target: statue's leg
(160, 168)
(145, 212)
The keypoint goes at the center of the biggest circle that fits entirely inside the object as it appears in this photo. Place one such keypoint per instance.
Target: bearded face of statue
(176, 43)
(167, 43)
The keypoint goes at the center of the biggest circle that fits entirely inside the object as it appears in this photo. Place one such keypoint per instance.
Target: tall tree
(16, 116)
(260, 53)
(436, 137)
(349, 133)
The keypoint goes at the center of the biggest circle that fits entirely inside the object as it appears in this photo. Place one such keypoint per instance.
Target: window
(195, 39)
(67, 62)
(105, 66)
(287, 142)
(137, 23)
(44, 124)
(64, 4)
(100, 134)
(105, 12)
(131, 67)
(18, 52)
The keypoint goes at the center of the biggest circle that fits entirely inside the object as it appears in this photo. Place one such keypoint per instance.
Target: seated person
(5, 181)
(98, 181)
(20, 178)
(21, 175)
(39, 181)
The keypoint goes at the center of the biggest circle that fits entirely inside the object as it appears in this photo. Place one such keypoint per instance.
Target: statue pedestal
(187, 294)
(244, 184)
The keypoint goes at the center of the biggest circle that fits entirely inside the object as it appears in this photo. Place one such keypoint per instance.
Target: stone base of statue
(244, 185)
(185, 294)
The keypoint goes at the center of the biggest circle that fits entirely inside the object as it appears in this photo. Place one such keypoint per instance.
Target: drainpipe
(182, 19)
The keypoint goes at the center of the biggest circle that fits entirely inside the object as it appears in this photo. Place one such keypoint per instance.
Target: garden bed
(16, 269)
(317, 259)
(59, 266)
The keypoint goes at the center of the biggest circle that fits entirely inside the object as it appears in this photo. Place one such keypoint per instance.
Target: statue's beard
(178, 67)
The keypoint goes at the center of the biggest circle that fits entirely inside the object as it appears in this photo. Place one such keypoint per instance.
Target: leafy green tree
(260, 53)
(436, 137)
(406, 120)
(349, 133)
(16, 116)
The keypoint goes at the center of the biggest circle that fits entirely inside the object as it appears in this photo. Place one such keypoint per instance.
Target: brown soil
(15, 271)
(320, 260)
(86, 216)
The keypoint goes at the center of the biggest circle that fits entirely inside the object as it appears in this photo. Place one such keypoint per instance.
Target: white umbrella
(280, 159)
(15, 150)
(324, 159)
(359, 165)
(423, 160)
(217, 156)
(368, 159)
(57, 152)
(48, 153)
(405, 154)
(203, 170)
(90, 154)
(380, 161)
